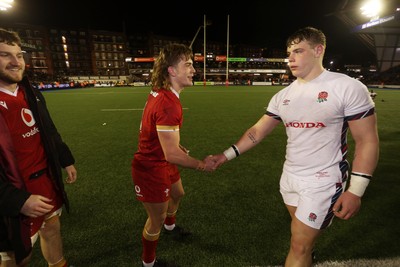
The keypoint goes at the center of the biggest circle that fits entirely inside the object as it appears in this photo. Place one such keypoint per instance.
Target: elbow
(170, 158)
(175, 156)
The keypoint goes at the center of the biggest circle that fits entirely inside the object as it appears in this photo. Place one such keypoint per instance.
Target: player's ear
(171, 71)
(319, 50)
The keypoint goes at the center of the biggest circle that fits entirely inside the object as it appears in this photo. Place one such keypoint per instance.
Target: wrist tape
(232, 152)
(358, 183)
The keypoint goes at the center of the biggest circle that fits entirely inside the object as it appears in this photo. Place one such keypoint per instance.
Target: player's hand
(36, 206)
(209, 163)
(347, 206)
(219, 160)
(71, 174)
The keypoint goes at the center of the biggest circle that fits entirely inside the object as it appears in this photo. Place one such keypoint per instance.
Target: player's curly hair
(9, 37)
(312, 35)
(170, 55)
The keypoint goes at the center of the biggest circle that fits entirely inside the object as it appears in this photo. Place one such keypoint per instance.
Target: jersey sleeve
(169, 116)
(358, 100)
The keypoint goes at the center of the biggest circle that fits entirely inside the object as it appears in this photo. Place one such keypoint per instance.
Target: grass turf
(236, 213)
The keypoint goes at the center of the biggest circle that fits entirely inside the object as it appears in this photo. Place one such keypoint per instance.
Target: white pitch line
(126, 109)
(121, 109)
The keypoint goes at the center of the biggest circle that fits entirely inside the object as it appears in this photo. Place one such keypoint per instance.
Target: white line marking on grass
(390, 262)
(126, 109)
(122, 109)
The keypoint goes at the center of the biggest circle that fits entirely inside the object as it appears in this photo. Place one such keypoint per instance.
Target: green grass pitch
(236, 213)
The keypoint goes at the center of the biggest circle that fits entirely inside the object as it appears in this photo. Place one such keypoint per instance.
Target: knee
(50, 228)
(298, 248)
(155, 224)
(177, 196)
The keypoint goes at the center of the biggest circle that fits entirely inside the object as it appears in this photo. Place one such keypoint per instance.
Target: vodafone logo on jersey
(27, 117)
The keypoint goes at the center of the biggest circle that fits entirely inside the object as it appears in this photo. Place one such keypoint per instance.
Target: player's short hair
(9, 37)
(310, 34)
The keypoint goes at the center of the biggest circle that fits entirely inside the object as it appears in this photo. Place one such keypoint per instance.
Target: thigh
(316, 200)
(44, 186)
(50, 223)
(288, 187)
(303, 234)
(51, 226)
(39, 223)
(177, 190)
(152, 184)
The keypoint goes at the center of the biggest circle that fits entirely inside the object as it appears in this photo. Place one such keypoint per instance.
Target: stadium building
(96, 56)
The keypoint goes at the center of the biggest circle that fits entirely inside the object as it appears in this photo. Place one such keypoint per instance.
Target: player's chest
(311, 106)
(12, 103)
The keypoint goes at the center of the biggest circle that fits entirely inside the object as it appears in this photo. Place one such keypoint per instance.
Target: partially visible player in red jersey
(32, 154)
(155, 171)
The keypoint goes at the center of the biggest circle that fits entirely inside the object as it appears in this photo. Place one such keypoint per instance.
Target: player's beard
(14, 77)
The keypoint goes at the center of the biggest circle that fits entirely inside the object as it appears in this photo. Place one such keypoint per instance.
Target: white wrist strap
(232, 152)
(358, 184)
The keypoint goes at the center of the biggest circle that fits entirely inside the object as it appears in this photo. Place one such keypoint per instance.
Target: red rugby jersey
(162, 112)
(24, 132)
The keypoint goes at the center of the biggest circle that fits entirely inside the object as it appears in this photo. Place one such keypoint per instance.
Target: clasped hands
(212, 162)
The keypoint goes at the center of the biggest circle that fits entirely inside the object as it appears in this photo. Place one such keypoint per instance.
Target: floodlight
(371, 9)
(5, 4)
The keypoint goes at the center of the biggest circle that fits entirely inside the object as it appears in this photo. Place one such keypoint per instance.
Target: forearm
(364, 164)
(366, 158)
(249, 140)
(254, 135)
(184, 160)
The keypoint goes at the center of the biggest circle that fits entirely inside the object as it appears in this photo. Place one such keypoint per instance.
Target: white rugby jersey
(315, 116)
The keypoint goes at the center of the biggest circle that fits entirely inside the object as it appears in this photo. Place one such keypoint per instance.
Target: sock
(169, 222)
(169, 227)
(149, 250)
(61, 263)
(151, 264)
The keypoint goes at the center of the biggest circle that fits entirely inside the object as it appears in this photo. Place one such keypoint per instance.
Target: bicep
(265, 125)
(169, 141)
(365, 129)
(366, 154)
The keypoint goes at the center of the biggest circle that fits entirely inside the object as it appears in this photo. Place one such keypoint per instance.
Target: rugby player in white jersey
(317, 110)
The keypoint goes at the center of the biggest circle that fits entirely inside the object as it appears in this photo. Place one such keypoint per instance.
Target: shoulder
(341, 77)
(345, 85)
(163, 95)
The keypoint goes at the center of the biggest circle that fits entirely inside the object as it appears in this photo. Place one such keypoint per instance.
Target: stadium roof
(381, 35)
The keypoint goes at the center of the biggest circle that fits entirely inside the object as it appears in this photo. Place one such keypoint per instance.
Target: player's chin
(295, 72)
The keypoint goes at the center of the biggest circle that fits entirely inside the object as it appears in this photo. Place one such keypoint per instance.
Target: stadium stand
(381, 35)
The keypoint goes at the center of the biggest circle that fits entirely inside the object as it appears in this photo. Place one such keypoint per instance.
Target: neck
(9, 86)
(312, 75)
(176, 90)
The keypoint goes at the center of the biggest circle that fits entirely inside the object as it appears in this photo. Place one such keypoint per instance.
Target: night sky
(262, 23)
